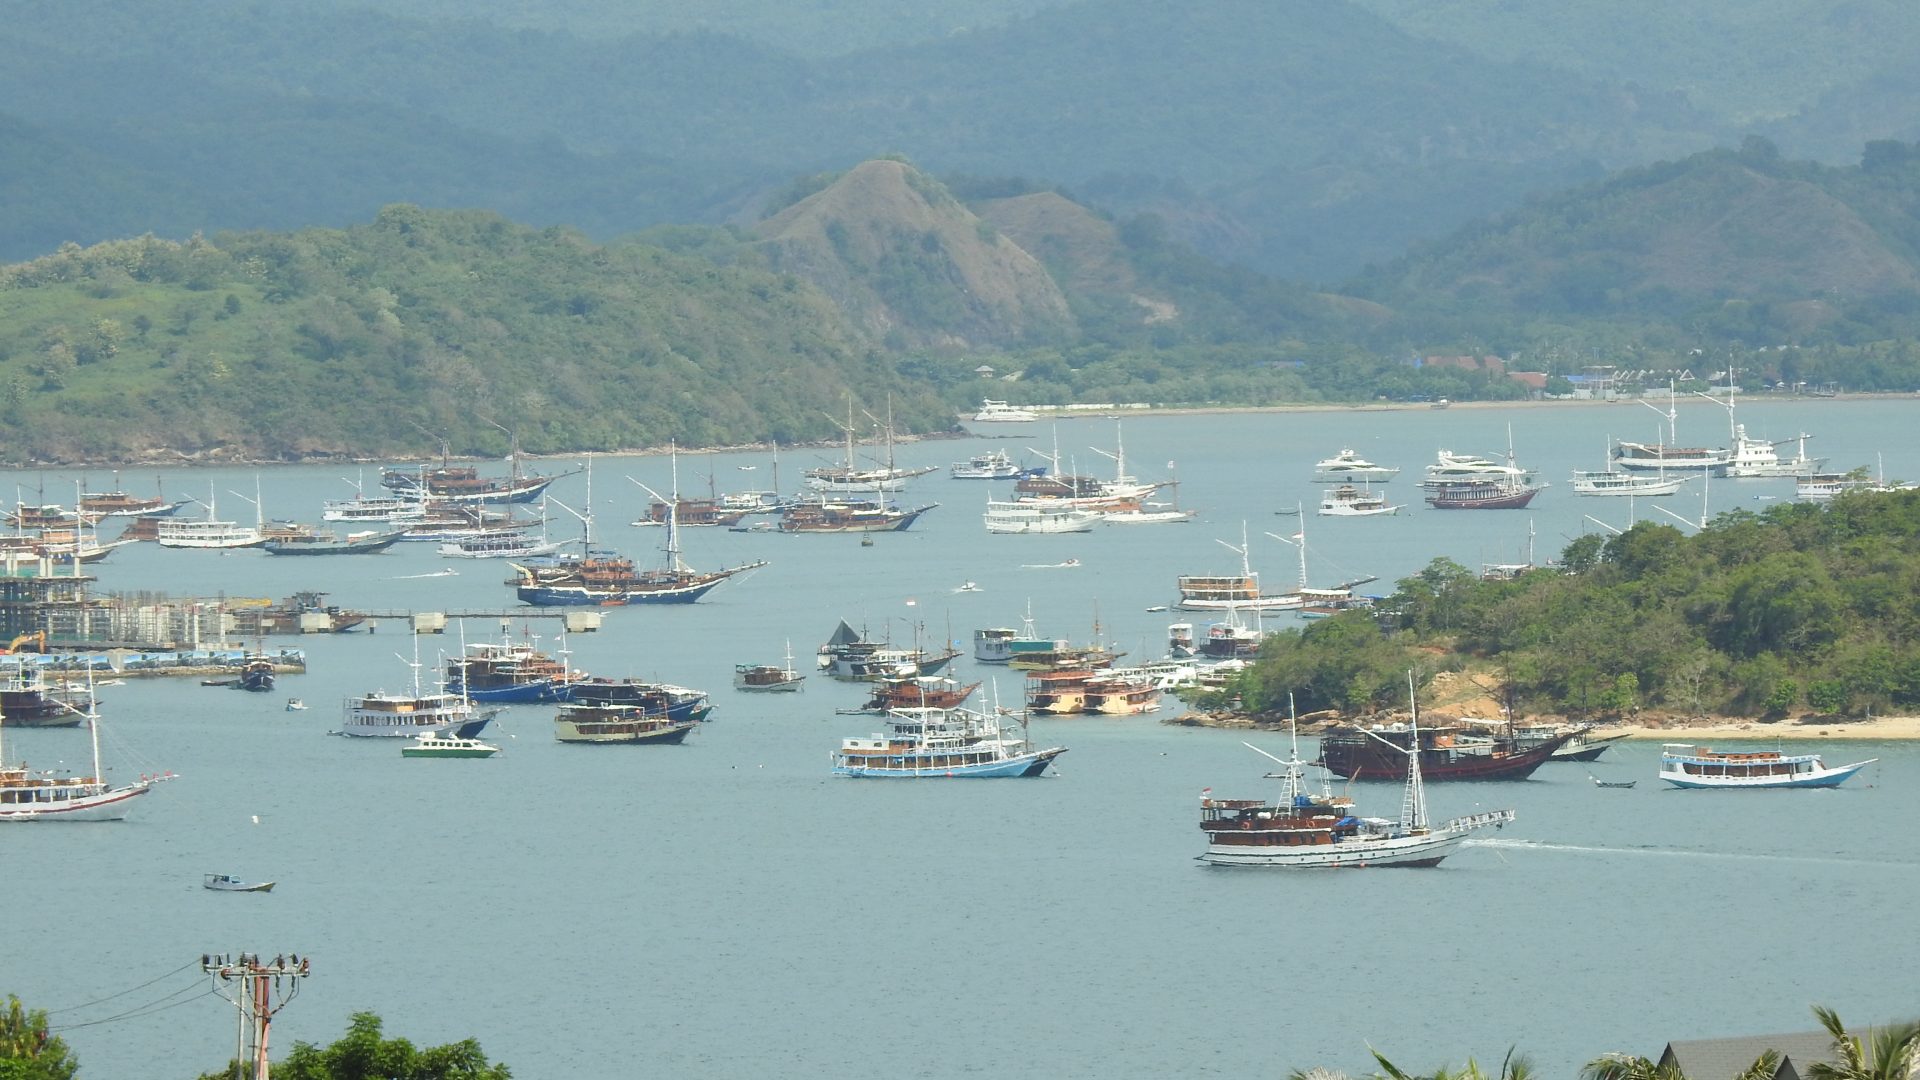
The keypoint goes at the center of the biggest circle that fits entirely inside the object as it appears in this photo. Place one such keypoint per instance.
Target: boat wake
(448, 572)
(1049, 565)
(1504, 844)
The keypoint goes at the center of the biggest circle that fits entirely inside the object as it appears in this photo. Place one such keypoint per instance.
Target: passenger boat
(1348, 467)
(447, 746)
(380, 714)
(822, 515)
(26, 795)
(1120, 693)
(1688, 766)
(1239, 592)
(1039, 516)
(1453, 752)
(1480, 495)
(1349, 501)
(1228, 639)
(675, 702)
(942, 743)
(1003, 645)
(509, 542)
(1667, 456)
(207, 533)
(44, 516)
(992, 412)
(1618, 482)
(360, 510)
(848, 654)
(1581, 745)
(1450, 468)
(510, 672)
(579, 722)
(229, 883)
(27, 699)
(696, 513)
(932, 692)
(605, 578)
(993, 465)
(326, 542)
(1304, 830)
(1820, 487)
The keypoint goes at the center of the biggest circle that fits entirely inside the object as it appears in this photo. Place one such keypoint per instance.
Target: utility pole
(255, 983)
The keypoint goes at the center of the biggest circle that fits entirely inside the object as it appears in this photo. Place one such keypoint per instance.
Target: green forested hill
(420, 326)
(1739, 245)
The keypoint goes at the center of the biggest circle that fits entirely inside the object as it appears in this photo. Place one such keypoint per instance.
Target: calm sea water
(727, 908)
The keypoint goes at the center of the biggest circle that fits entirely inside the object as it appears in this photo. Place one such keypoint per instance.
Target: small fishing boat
(294, 704)
(1597, 782)
(228, 883)
(1687, 766)
(447, 746)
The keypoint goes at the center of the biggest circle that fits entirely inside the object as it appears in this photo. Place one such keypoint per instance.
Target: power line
(143, 1010)
(123, 993)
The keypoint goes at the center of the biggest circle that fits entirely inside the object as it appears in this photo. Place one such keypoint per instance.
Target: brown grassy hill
(1081, 249)
(912, 266)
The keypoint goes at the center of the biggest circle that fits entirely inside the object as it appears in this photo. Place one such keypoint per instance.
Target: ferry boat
(510, 673)
(1305, 830)
(26, 795)
(769, 678)
(207, 533)
(1377, 752)
(360, 510)
(1685, 765)
(580, 722)
(1349, 501)
(1348, 467)
(992, 411)
(942, 743)
(447, 746)
(1038, 516)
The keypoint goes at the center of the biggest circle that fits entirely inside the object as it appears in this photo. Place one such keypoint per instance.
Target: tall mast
(1413, 810)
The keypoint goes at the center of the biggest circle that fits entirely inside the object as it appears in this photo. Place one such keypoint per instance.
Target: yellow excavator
(31, 641)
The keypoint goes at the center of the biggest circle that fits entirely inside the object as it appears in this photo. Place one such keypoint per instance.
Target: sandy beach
(1880, 727)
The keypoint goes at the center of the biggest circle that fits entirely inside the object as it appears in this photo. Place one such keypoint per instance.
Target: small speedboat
(228, 883)
(967, 586)
(294, 704)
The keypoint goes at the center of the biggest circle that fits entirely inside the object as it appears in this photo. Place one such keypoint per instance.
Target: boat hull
(112, 804)
(1406, 851)
(908, 767)
(1824, 779)
(669, 732)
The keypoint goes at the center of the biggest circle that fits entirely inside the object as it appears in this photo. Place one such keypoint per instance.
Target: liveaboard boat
(1449, 752)
(510, 672)
(992, 411)
(943, 743)
(1668, 456)
(769, 678)
(675, 702)
(310, 541)
(1039, 516)
(849, 655)
(821, 515)
(27, 795)
(380, 714)
(1685, 765)
(1350, 501)
(995, 464)
(934, 691)
(632, 725)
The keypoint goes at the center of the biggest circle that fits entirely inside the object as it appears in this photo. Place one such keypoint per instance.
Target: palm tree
(1511, 1068)
(1629, 1067)
(1887, 1053)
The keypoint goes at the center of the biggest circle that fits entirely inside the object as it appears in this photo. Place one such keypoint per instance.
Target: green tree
(28, 1051)
(362, 1054)
(1629, 1067)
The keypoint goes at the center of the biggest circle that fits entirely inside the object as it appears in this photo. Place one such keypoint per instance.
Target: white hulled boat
(1668, 457)
(26, 795)
(208, 532)
(1687, 766)
(1761, 458)
(1038, 516)
(934, 743)
(992, 411)
(1617, 482)
(1349, 501)
(1348, 467)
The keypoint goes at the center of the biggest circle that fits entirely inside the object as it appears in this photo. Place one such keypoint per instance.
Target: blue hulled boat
(509, 673)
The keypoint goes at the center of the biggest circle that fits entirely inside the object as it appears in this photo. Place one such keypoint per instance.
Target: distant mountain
(1743, 243)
